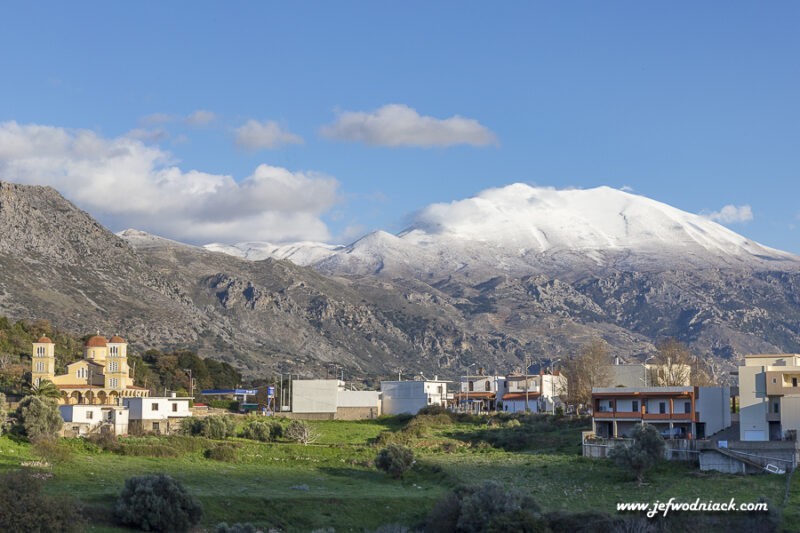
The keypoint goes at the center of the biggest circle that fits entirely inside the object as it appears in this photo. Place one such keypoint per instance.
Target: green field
(333, 484)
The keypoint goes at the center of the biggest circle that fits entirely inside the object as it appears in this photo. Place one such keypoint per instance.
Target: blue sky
(230, 121)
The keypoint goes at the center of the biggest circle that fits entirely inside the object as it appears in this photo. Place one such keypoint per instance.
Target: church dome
(98, 341)
(44, 340)
(116, 339)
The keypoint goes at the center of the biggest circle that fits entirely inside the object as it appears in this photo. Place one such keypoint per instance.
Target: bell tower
(43, 361)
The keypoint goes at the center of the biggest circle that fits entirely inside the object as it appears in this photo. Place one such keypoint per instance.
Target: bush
(262, 430)
(213, 427)
(52, 451)
(106, 441)
(395, 460)
(223, 527)
(25, 507)
(300, 431)
(38, 418)
(157, 503)
(222, 453)
(486, 508)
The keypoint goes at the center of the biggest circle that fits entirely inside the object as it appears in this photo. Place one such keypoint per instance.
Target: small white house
(408, 397)
(533, 392)
(84, 419)
(160, 415)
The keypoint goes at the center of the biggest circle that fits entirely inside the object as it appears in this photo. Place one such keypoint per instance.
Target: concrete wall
(357, 413)
(315, 395)
(753, 405)
(713, 405)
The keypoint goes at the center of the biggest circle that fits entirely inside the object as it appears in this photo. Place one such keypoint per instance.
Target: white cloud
(126, 183)
(254, 135)
(148, 135)
(400, 125)
(201, 117)
(730, 214)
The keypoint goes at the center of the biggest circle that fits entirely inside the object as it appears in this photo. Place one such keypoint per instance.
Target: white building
(769, 397)
(534, 393)
(408, 397)
(84, 419)
(161, 415)
(328, 399)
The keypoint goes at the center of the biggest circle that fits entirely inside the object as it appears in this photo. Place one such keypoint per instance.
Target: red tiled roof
(520, 396)
(98, 341)
(44, 340)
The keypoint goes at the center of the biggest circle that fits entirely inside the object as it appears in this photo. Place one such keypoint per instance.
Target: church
(102, 377)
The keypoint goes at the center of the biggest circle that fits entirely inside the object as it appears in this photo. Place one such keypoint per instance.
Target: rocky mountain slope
(481, 302)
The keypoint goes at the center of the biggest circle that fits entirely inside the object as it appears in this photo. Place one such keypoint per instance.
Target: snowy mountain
(519, 229)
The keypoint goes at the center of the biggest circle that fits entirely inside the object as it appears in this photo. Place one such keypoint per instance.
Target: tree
(157, 503)
(39, 418)
(395, 460)
(301, 432)
(587, 370)
(646, 450)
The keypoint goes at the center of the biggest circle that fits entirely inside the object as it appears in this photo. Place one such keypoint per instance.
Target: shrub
(262, 430)
(106, 441)
(157, 503)
(149, 450)
(300, 431)
(435, 410)
(52, 451)
(38, 418)
(223, 452)
(25, 507)
(395, 460)
(213, 427)
(486, 508)
(223, 527)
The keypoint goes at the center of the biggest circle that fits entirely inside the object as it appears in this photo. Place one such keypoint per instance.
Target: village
(747, 428)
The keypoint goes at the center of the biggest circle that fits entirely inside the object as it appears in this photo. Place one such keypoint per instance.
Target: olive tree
(646, 450)
(39, 418)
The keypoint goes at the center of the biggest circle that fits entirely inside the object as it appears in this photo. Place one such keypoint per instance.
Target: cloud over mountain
(125, 183)
(400, 125)
(730, 214)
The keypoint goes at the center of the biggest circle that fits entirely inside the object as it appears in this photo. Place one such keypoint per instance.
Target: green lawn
(332, 484)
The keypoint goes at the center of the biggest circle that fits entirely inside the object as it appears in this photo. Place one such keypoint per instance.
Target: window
(687, 407)
(156, 427)
(113, 351)
(776, 407)
(113, 383)
(471, 386)
(662, 407)
(40, 366)
(175, 406)
(774, 381)
(89, 415)
(794, 382)
(81, 373)
(154, 406)
(488, 385)
(113, 366)
(505, 385)
(40, 351)
(635, 406)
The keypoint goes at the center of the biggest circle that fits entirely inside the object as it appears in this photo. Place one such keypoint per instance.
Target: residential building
(100, 378)
(532, 393)
(82, 419)
(328, 399)
(408, 397)
(769, 397)
(479, 393)
(160, 415)
(678, 412)
(648, 375)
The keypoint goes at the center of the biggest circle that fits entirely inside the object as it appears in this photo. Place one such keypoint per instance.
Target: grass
(332, 484)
